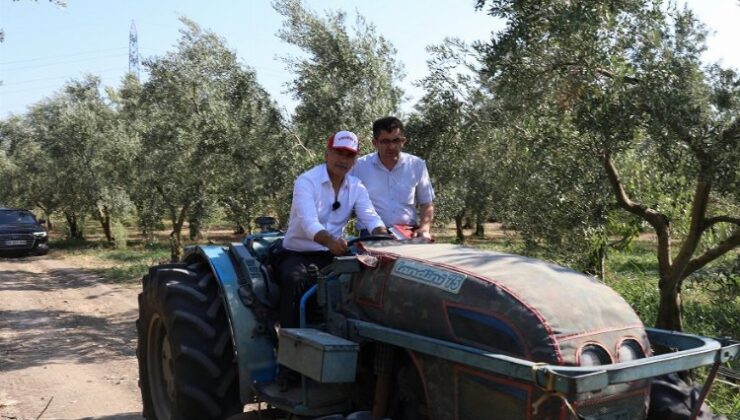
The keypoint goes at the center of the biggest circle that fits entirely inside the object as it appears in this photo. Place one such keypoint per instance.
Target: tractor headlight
(41, 234)
(630, 350)
(593, 355)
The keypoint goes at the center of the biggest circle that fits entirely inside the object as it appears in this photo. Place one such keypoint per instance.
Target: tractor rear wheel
(187, 368)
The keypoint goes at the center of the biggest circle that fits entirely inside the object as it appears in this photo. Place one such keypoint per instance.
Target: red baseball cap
(344, 140)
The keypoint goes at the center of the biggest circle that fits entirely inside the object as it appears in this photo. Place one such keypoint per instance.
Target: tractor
(399, 329)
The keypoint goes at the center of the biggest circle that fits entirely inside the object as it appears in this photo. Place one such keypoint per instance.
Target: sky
(46, 45)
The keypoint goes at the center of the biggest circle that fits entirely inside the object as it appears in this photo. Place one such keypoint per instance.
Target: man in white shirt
(324, 198)
(397, 182)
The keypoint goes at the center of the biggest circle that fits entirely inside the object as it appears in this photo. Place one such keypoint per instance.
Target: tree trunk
(597, 262)
(669, 309)
(194, 229)
(175, 245)
(459, 229)
(176, 234)
(104, 219)
(601, 262)
(467, 223)
(674, 270)
(480, 230)
(47, 216)
(75, 230)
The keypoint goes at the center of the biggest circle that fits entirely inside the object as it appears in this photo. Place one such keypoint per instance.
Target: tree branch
(257, 164)
(698, 210)
(658, 221)
(719, 219)
(629, 79)
(604, 72)
(298, 141)
(713, 253)
(519, 129)
(165, 197)
(180, 219)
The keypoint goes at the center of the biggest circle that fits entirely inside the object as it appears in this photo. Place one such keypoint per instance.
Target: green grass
(711, 307)
(115, 266)
(126, 274)
(133, 262)
(75, 245)
(724, 400)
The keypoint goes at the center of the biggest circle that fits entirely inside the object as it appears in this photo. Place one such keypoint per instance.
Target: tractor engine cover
(506, 304)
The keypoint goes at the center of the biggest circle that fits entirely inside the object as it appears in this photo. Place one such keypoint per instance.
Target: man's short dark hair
(386, 124)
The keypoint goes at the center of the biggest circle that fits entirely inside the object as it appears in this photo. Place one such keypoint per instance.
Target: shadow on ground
(56, 330)
(43, 336)
(52, 279)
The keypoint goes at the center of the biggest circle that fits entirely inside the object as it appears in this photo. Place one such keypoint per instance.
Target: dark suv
(21, 232)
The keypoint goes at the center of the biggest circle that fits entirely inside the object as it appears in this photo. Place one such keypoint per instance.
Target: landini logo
(431, 276)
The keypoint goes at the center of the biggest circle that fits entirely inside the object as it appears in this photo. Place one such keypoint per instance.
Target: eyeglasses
(397, 140)
(336, 205)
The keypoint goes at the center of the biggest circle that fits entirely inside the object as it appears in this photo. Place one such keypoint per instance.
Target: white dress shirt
(311, 211)
(395, 193)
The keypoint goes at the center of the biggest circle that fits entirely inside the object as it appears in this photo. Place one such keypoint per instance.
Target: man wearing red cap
(324, 198)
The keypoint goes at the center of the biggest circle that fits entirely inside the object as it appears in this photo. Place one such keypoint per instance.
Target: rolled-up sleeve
(306, 213)
(424, 190)
(365, 211)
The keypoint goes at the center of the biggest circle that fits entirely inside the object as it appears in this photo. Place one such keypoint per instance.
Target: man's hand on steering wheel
(369, 238)
(337, 246)
(419, 233)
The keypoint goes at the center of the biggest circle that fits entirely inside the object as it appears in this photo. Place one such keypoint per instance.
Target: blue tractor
(403, 330)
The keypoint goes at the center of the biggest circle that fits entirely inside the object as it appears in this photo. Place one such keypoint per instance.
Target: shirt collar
(376, 160)
(324, 177)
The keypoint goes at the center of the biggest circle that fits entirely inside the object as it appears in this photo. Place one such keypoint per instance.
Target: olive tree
(453, 127)
(344, 81)
(202, 117)
(69, 155)
(621, 85)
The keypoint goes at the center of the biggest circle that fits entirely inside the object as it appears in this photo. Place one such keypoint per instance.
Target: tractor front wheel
(186, 360)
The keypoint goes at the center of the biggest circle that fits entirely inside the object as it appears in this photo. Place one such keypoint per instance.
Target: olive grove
(579, 126)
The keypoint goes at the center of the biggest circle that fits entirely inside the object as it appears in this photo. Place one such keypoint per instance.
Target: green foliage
(344, 82)
(610, 105)
(66, 158)
(120, 236)
(724, 401)
(711, 297)
(521, 128)
(205, 122)
(711, 301)
(115, 265)
(452, 129)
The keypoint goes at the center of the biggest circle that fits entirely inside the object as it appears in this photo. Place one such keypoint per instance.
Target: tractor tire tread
(201, 359)
(204, 399)
(199, 324)
(187, 291)
(182, 302)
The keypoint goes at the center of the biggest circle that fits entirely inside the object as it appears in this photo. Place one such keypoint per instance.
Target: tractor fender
(254, 352)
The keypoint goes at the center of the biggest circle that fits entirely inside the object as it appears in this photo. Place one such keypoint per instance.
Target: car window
(16, 217)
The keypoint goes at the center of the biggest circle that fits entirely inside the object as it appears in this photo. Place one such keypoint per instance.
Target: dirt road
(68, 341)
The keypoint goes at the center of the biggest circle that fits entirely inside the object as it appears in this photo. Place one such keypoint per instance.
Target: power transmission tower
(133, 51)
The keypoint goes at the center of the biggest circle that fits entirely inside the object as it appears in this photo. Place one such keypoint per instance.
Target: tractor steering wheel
(370, 238)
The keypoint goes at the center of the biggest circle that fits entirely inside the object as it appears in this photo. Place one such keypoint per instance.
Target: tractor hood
(510, 303)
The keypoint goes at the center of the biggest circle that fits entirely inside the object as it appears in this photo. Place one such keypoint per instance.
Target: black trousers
(294, 281)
